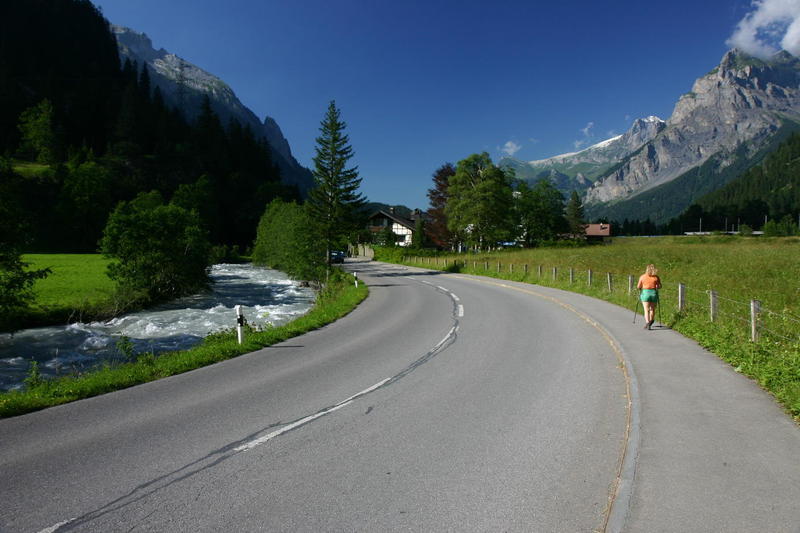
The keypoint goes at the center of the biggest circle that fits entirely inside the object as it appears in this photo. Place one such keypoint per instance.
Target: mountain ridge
(184, 85)
(731, 114)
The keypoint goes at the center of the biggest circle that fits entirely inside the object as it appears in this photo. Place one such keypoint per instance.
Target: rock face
(579, 170)
(739, 105)
(184, 86)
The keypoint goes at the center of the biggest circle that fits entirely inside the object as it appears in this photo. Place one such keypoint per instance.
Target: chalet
(401, 226)
(598, 233)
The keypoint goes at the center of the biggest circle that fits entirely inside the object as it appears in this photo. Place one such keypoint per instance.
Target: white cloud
(578, 144)
(534, 141)
(510, 148)
(771, 26)
(588, 129)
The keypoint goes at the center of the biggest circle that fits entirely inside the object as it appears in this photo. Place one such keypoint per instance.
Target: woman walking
(649, 283)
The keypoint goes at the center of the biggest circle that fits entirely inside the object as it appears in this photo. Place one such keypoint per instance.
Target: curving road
(443, 402)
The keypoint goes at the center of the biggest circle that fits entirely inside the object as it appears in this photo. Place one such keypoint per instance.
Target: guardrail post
(555, 273)
(540, 271)
(571, 275)
(681, 297)
(498, 267)
(755, 311)
(630, 284)
(486, 265)
(610, 283)
(589, 277)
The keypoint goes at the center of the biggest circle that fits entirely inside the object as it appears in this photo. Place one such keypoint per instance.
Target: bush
(159, 250)
(285, 240)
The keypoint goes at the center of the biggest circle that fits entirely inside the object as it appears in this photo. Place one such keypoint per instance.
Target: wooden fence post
(526, 269)
(540, 271)
(712, 295)
(755, 311)
(589, 277)
(571, 275)
(486, 266)
(511, 267)
(681, 297)
(555, 273)
(498, 267)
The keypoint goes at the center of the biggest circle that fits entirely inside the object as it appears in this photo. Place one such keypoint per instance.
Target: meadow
(77, 289)
(738, 269)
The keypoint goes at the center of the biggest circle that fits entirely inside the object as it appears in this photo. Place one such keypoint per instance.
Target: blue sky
(421, 83)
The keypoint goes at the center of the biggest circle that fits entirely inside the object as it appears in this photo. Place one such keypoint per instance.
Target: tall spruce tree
(574, 214)
(335, 205)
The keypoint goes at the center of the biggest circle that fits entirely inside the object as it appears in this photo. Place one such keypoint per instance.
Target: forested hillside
(770, 189)
(80, 132)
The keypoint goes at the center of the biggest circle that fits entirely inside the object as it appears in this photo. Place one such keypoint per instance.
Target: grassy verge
(738, 269)
(336, 300)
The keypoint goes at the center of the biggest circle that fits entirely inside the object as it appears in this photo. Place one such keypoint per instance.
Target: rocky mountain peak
(734, 109)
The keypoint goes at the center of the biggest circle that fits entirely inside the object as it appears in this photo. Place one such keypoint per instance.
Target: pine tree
(334, 203)
(574, 214)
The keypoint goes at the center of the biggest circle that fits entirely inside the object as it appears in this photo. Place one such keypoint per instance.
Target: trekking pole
(635, 309)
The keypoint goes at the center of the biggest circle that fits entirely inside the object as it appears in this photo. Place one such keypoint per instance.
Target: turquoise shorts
(649, 295)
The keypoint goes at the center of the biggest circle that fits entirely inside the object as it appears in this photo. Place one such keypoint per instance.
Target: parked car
(337, 256)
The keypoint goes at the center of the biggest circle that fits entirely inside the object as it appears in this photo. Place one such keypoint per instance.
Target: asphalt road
(443, 403)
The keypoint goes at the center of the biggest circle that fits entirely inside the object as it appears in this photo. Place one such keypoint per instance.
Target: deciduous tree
(437, 228)
(479, 205)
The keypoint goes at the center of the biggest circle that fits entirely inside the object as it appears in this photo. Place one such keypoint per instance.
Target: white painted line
(460, 310)
(446, 338)
(268, 437)
(456, 298)
(53, 529)
(441, 288)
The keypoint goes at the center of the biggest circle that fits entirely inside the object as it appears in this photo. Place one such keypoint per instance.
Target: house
(401, 226)
(598, 233)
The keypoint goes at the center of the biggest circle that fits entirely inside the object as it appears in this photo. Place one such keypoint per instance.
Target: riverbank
(339, 298)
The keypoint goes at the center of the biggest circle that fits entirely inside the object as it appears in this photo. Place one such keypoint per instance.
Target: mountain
(579, 170)
(184, 85)
(731, 119)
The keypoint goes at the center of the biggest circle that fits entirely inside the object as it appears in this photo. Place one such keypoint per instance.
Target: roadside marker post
(239, 324)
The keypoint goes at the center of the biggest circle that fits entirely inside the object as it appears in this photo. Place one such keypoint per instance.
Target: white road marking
(53, 529)
(460, 310)
(268, 437)
(442, 288)
(456, 298)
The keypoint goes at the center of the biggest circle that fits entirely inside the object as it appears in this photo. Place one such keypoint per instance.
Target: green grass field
(738, 269)
(77, 288)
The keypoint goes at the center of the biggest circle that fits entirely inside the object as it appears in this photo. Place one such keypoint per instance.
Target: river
(266, 296)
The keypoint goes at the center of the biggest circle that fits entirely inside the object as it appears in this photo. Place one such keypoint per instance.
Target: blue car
(337, 256)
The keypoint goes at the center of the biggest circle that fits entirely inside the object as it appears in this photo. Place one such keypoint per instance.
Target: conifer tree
(574, 214)
(335, 205)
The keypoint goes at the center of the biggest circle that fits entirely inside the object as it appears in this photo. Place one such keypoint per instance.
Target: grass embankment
(738, 269)
(336, 300)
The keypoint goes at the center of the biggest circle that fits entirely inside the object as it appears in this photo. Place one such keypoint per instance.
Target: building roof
(403, 221)
(598, 230)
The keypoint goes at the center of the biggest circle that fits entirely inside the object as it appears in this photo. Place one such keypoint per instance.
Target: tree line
(478, 205)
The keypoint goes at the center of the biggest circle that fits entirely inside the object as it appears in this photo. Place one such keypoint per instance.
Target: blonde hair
(651, 270)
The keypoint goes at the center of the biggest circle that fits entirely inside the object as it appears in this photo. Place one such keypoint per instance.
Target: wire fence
(759, 323)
